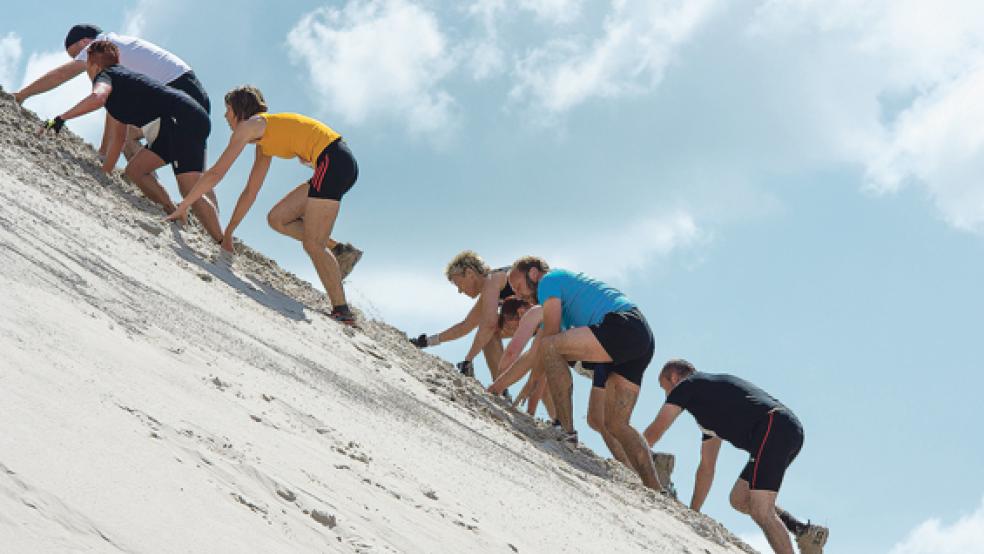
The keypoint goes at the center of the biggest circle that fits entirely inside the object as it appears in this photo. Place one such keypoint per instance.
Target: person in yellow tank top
(309, 211)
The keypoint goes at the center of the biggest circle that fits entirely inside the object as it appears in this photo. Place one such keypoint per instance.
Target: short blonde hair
(464, 261)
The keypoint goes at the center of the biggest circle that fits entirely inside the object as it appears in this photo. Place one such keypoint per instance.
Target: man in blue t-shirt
(728, 408)
(587, 320)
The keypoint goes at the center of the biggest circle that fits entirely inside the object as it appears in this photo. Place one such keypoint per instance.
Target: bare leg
(620, 399)
(140, 170)
(763, 512)
(493, 354)
(596, 420)
(131, 145)
(319, 219)
(544, 393)
(559, 382)
(287, 217)
(203, 209)
(743, 500)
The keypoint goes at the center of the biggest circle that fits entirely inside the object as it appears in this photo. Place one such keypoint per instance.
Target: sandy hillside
(152, 400)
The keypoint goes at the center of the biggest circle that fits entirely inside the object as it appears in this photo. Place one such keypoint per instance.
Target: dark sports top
(724, 406)
(507, 291)
(136, 99)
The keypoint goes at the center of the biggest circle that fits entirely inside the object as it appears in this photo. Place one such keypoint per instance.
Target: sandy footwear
(347, 256)
(343, 316)
(812, 539)
(664, 463)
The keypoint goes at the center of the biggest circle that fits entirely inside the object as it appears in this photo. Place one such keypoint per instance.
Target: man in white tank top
(136, 55)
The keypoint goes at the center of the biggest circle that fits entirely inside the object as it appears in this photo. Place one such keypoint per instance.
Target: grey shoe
(664, 463)
(812, 539)
(347, 256)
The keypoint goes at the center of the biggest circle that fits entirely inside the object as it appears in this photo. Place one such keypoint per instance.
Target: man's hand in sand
(178, 214)
(19, 97)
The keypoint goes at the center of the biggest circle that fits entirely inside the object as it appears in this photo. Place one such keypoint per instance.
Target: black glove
(423, 341)
(55, 124)
(466, 368)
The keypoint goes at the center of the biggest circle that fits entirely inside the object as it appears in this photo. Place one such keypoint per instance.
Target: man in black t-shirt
(175, 124)
(732, 409)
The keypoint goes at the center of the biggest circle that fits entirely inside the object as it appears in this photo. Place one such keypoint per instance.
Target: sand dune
(154, 399)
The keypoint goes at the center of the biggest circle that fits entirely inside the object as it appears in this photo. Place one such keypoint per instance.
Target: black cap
(80, 32)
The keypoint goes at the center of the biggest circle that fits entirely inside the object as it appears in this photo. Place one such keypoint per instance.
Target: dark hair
(510, 309)
(524, 264)
(679, 366)
(81, 31)
(104, 53)
(245, 101)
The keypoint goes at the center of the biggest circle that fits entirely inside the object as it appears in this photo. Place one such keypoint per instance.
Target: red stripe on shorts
(758, 458)
(319, 174)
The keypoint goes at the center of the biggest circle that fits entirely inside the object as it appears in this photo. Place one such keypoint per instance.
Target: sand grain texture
(154, 399)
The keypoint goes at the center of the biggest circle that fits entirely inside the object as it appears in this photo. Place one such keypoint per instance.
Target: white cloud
(933, 537)
(615, 252)
(939, 142)
(10, 53)
(59, 100)
(377, 58)
(638, 43)
(929, 54)
(135, 18)
(554, 11)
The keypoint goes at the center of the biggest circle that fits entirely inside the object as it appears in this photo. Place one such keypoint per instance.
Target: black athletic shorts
(181, 141)
(599, 373)
(778, 439)
(188, 83)
(629, 341)
(335, 172)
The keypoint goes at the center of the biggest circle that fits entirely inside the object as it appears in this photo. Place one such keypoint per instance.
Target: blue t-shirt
(584, 301)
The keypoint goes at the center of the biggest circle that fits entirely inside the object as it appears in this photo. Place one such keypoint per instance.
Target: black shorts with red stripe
(335, 172)
(778, 439)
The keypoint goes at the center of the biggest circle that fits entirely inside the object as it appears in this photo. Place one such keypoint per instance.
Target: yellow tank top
(290, 134)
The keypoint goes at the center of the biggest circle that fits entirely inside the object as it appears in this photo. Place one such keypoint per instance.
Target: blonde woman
(473, 277)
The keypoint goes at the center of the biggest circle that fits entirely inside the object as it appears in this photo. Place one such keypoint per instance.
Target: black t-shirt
(724, 406)
(136, 99)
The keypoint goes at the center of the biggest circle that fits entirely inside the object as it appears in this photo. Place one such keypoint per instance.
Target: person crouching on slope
(732, 409)
(473, 277)
(520, 321)
(587, 320)
(308, 212)
(178, 128)
(136, 55)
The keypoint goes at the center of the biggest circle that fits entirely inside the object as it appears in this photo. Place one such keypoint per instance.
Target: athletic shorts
(335, 172)
(599, 373)
(190, 85)
(778, 439)
(629, 341)
(181, 141)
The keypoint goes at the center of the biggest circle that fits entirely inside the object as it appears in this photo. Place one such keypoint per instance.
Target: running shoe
(812, 539)
(347, 256)
(664, 463)
(570, 438)
(343, 316)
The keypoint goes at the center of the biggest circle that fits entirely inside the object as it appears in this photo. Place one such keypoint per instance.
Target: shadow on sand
(261, 293)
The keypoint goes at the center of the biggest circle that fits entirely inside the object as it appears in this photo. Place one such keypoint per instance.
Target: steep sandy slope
(152, 400)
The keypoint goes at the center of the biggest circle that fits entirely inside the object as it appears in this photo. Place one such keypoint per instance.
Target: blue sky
(790, 189)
